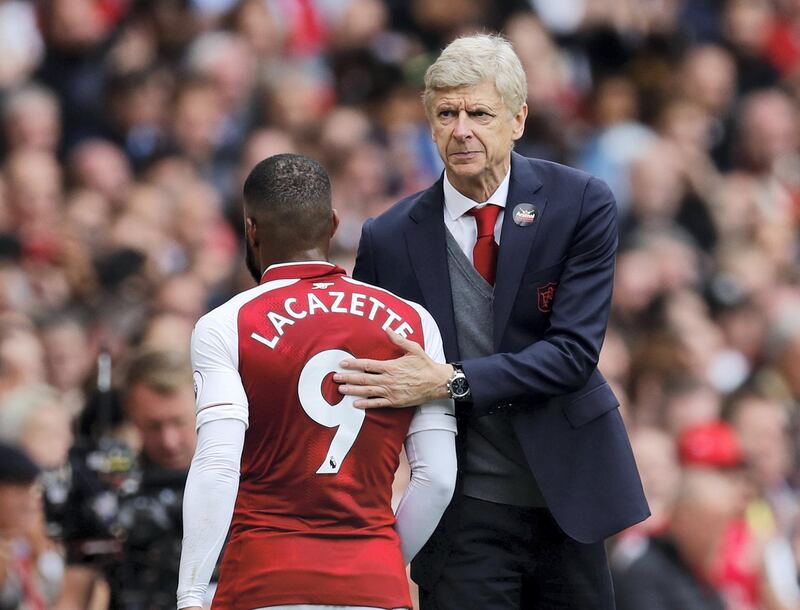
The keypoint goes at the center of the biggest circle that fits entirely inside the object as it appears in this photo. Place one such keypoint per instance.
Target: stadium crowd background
(127, 128)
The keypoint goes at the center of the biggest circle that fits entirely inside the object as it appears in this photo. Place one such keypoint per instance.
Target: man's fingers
(357, 378)
(399, 340)
(365, 391)
(372, 403)
(364, 364)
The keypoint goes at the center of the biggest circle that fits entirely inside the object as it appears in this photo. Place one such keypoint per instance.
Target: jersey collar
(301, 270)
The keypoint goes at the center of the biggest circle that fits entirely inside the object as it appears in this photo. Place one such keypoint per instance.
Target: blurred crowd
(127, 128)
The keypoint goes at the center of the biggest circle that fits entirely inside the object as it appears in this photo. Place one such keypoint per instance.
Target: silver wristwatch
(457, 385)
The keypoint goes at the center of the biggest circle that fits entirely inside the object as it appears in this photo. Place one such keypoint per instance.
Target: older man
(514, 257)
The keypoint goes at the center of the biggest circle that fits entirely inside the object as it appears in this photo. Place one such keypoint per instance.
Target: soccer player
(312, 524)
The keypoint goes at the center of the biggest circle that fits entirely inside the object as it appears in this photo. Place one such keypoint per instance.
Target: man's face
(165, 423)
(474, 132)
(19, 505)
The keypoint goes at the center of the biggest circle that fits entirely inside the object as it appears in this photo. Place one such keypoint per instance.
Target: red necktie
(484, 254)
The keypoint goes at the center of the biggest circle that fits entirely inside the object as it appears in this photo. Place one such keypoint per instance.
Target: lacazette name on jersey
(332, 302)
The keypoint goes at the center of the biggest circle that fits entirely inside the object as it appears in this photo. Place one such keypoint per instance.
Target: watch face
(459, 387)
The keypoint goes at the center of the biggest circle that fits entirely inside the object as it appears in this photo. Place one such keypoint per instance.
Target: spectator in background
(68, 355)
(737, 571)
(101, 166)
(769, 135)
(707, 76)
(762, 426)
(672, 571)
(688, 402)
(36, 419)
(31, 119)
(657, 459)
(754, 568)
(783, 350)
(225, 60)
(30, 569)
(21, 355)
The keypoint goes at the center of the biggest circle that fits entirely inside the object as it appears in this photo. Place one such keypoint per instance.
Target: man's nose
(462, 129)
(170, 439)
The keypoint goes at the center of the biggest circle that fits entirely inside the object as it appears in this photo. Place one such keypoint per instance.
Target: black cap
(16, 466)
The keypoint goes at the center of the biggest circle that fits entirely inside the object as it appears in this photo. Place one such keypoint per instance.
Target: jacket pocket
(589, 406)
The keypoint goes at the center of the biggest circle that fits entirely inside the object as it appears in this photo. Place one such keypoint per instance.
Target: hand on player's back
(407, 381)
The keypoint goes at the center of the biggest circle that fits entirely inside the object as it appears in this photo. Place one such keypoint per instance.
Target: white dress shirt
(463, 226)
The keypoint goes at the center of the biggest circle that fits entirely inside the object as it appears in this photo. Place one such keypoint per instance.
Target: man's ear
(519, 122)
(334, 222)
(251, 231)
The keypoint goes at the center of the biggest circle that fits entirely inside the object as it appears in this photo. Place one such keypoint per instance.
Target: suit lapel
(515, 241)
(427, 250)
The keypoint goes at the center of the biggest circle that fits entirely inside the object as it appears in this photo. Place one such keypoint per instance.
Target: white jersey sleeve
(215, 364)
(208, 503)
(432, 458)
(436, 414)
(431, 450)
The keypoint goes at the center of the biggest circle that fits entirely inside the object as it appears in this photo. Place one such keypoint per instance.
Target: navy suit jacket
(551, 305)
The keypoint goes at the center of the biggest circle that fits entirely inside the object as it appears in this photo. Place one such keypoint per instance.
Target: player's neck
(305, 256)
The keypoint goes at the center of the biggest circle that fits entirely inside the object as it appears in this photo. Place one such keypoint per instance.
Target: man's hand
(407, 381)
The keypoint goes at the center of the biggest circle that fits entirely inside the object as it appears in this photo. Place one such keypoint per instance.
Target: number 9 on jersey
(343, 416)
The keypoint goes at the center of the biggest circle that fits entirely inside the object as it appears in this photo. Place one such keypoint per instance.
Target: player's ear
(334, 222)
(251, 231)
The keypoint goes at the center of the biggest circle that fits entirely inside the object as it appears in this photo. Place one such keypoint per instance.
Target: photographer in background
(159, 400)
(140, 563)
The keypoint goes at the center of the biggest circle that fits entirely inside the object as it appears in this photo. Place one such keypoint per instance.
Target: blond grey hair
(470, 60)
(18, 407)
(166, 371)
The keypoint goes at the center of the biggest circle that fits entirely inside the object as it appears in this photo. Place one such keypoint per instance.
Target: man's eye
(446, 114)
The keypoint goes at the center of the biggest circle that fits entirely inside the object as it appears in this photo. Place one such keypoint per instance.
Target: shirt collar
(300, 270)
(457, 204)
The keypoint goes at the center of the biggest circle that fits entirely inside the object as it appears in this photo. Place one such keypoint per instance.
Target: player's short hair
(164, 371)
(293, 194)
(470, 60)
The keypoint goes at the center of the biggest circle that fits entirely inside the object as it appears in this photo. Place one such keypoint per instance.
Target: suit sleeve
(364, 270)
(562, 361)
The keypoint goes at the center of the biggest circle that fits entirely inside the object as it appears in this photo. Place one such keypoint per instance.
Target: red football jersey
(313, 522)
